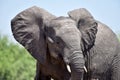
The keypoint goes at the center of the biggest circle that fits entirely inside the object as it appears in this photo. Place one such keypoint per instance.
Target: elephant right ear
(87, 26)
(28, 30)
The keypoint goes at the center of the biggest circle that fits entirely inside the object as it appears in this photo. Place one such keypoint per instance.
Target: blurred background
(15, 62)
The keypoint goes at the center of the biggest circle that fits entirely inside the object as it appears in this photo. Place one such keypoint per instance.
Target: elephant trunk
(77, 65)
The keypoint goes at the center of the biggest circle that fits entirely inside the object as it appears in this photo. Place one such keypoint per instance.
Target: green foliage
(15, 62)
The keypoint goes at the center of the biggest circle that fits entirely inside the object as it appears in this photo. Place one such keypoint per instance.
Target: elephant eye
(58, 41)
(81, 22)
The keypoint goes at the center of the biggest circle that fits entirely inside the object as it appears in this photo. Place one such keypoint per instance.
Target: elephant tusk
(85, 69)
(50, 39)
(68, 68)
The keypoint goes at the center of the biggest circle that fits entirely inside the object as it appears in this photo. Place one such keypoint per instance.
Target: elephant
(89, 47)
(53, 41)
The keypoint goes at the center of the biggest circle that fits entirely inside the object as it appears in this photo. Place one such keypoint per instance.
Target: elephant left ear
(86, 24)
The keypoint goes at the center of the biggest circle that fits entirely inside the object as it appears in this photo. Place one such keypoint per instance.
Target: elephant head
(41, 32)
(65, 40)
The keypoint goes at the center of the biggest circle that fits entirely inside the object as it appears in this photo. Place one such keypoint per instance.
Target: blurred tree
(15, 62)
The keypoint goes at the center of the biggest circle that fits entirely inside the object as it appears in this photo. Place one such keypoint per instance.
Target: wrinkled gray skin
(78, 40)
(102, 57)
(53, 42)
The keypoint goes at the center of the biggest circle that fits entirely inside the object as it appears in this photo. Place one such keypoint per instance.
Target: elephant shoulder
(106, 42)
(105, 34)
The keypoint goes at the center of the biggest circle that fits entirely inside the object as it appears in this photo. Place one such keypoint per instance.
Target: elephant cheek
(53, 51)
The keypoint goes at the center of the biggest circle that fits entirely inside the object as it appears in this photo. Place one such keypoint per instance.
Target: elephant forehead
(58, 23)
(68, 30)
(69, 35)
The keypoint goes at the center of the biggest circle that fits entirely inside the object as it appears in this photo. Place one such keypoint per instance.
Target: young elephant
(53, 42)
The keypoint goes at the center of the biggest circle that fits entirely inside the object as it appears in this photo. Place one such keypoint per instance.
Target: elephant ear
(87, 26)
(28, 30)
